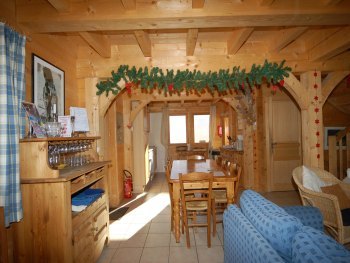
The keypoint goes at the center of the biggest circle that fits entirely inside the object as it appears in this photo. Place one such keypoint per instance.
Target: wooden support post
(128, 153)
(312, 120)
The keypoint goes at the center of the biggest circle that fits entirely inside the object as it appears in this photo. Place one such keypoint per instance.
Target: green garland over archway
(223, 80)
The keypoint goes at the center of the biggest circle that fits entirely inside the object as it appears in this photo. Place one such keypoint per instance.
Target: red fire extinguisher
(128, 186)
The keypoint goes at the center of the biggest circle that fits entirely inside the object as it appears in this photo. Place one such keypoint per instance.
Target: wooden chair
(219, 197)
(327, 203)
(196, 190)
(196, 157)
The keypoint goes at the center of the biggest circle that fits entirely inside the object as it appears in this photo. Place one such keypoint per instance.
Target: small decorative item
(35, 123)
(53, 129)
(48, 89)
(66, 125)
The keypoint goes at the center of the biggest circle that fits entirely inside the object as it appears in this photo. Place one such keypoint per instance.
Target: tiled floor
(143, 234)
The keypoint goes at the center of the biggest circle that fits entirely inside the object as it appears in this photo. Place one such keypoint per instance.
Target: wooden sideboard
(49, 230)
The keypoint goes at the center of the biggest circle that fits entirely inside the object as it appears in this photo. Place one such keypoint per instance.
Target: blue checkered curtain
(12, 120)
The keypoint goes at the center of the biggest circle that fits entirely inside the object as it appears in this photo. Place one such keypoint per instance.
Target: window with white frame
(201, 128)
(177, 129)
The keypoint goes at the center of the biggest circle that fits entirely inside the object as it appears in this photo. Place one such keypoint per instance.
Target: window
(177, 129)
(201, 128)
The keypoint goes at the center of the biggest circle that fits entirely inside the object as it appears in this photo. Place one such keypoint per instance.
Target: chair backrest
(236, 171)
(196, 157)
(196, 187)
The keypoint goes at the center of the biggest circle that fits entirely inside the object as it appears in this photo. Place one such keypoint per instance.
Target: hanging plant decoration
(237, 79)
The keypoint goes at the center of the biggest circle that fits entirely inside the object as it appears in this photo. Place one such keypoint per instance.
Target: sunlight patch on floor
(132, 222)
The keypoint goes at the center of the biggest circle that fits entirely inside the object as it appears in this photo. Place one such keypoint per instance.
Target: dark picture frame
(47, 80)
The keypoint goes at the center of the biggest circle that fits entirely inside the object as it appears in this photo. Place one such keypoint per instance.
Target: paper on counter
(81, 123)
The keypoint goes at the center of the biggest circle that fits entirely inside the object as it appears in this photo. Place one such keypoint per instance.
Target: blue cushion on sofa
(311, 245)
(243, 243)
(308, 215)
(272, 221)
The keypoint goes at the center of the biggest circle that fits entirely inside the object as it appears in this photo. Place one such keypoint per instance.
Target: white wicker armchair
(327, 203)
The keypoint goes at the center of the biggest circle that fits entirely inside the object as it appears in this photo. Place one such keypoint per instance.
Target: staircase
(339, 153)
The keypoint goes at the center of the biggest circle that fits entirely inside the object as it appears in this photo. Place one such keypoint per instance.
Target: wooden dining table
(221, 180)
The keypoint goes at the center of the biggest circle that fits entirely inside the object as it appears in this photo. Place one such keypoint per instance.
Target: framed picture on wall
(48, 88)
(330, 131)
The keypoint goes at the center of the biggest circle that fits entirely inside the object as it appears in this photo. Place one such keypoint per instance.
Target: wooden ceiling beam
(285, 37)
(315, 37)
(237, 39)
(129, 4)
(111, 16)
(191, 41)
(144, 41)
(198, 3)
(333, 46)
(100, 43)
(61, 6)
(265, 2)
(331, 2)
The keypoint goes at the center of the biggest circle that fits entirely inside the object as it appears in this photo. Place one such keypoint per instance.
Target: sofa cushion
(243, 243)
(311, 245)
(308, 215)
(272, 221)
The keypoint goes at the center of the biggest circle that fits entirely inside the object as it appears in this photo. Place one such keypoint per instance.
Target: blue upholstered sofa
(260, 231)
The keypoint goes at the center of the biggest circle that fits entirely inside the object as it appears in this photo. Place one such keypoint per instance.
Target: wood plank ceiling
(308, 34)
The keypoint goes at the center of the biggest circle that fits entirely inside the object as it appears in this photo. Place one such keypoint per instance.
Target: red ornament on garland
(315, 86)
(318, 156)
(128, 86)
(317, 121)
(316, 98)
(282, 82)
(315, 74)
(317, 133)
(274, 88)
(317, 109)
(171, 87)
(317, 145)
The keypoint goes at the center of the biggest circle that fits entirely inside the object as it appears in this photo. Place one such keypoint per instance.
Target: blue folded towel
(87, 196)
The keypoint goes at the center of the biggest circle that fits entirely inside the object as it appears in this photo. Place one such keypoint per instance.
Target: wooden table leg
(230, 192)
(176, 193)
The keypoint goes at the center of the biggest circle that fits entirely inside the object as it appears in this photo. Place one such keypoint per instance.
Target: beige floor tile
(201, 239)
(183, 255)
(157, 240)
(155, 255)
(106, 255)
(160, 228)
(160, 218)
(127, 255)
(182, 242)
(220, 235)
(213, 255)
(137, 240)
(113, 243)
(138, 228)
